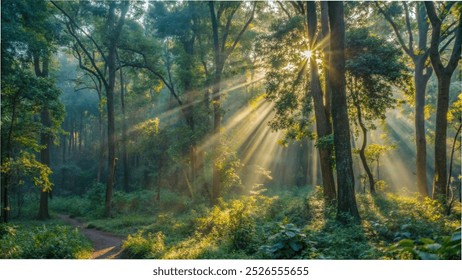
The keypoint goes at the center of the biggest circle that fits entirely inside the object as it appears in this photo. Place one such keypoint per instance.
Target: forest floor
(106, 245)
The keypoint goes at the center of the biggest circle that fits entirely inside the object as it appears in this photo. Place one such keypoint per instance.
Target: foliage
(228, 164)
(42, 242)
(286, 80)
(138, 247)
(455, 111)
(370, 75)
(287, 243)
(237, 228)
(427, 249)
(26, 167)
(375, 151)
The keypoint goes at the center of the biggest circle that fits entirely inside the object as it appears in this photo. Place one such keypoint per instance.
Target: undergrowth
(290, 223)
(42, 242)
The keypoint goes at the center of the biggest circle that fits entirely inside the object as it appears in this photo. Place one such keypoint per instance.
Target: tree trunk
(362, 151)
(101, 144)
(444, 74)
(420, 82)
(323, 126)
(454, 142)
(4, 194)
(302, 172)
(5, 178)
(218, 61)
(325, 36)
(439, 190)
(45, 140)
(344, 164)
(115, 29)
(126, 182)
(216, 182)
(111, 137)
(45, 137)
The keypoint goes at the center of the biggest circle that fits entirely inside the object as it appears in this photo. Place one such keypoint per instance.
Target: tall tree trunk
(45, 138)
(115, 29)
(111, 137)
(323, 126)
(442, 106)
(453, 149)
(419, 56)
(420, 82)
(7, 149)
(218, 61)
(5, 199)
(216, 182)
(443, 74)
(326, 58)
(126, 182)
(344, 164)
(99, 173)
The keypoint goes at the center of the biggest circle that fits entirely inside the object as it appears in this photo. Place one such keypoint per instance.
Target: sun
(307, 54)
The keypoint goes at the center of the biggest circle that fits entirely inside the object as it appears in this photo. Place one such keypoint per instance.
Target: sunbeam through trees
(231, 129)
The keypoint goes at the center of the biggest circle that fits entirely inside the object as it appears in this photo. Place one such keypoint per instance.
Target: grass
(289, 223)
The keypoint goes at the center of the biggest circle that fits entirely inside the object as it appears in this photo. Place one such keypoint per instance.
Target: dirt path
(106, 245)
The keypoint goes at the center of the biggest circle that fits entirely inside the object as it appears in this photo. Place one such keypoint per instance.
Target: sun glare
(307, 54)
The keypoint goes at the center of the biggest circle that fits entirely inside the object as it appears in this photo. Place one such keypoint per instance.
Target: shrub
(427, 249)
(42, 242)
(287, 243)
(138, 246)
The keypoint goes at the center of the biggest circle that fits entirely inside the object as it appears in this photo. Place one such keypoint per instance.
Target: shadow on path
(106, 245)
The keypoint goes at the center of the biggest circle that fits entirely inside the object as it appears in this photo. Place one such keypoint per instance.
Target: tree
(287, 85)
(23, 98)
(222, 15)
(293, 49)
(370, 76)
(114, 14)
(455, 118)
(346, 201)
(443, 74)
(182, 25)
(323, 125)
(32, 27)
(422, 71)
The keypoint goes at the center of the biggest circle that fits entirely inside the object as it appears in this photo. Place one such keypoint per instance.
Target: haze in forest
(215, 129)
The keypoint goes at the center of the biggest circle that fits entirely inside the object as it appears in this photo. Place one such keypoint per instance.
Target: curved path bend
(106, 245)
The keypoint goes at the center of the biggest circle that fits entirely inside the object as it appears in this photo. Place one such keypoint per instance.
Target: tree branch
(227, 26)
(408, 26)
(148, 67)
(78, 27)
(435, 40)
(396, 30)
(87, 53)
(284, 9)
(457, 50)
(244, 28)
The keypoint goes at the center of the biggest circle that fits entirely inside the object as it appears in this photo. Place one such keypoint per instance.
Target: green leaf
(426, 256)
(279, 245)
(455, 236)
(426, 240)
(405, 243)
(433, 247)
(296, 246)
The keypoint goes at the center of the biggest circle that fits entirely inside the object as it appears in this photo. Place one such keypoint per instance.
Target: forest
(231, 129)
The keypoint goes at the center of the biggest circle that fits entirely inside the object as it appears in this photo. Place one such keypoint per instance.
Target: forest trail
(106, 245)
